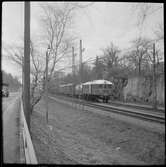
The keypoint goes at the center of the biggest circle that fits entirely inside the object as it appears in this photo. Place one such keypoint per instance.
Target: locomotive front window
(86, 86)
(95, 86)
(100, 86)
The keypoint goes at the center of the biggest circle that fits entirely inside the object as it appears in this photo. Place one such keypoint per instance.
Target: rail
(30, 156)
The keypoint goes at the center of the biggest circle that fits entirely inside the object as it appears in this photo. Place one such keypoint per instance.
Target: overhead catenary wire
(100, 58)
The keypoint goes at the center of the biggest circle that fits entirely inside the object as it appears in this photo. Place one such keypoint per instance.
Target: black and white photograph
(83, 83)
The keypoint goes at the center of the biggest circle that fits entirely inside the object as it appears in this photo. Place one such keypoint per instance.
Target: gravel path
(83, 137)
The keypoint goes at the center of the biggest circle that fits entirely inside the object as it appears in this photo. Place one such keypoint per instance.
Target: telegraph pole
(154, 80)
(22, 78)
(80, 63)
(46, 84)
(26, 62)
(73, 64)
(73, 71)
(81, 68)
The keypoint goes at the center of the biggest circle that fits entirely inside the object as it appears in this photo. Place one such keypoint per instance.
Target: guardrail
(30, 156)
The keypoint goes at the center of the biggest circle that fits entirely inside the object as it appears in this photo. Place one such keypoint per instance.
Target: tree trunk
(139, 67)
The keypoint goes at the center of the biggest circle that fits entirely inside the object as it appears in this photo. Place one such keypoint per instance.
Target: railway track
(140, 114)
(136, 106)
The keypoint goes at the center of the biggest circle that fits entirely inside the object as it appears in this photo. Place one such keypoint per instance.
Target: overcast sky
(97, 26)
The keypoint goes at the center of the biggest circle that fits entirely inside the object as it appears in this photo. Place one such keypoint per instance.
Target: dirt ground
(83, 137)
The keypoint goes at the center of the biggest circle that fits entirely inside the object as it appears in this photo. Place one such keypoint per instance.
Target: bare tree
(111, 55)
(98, 69)
(139, 54)
(143, 11)
(16, 54)
(111, 59)
(56, 21)
(37, 81)
(159, 32)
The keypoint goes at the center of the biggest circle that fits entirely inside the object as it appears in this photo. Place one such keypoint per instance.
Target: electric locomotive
(97, 89)
(92, 90)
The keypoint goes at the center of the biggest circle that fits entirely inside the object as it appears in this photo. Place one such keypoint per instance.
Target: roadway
(10, 107)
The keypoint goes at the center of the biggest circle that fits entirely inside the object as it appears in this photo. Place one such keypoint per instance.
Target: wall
(139, 89)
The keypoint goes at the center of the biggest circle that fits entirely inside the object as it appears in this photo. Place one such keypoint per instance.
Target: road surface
(10, 107)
